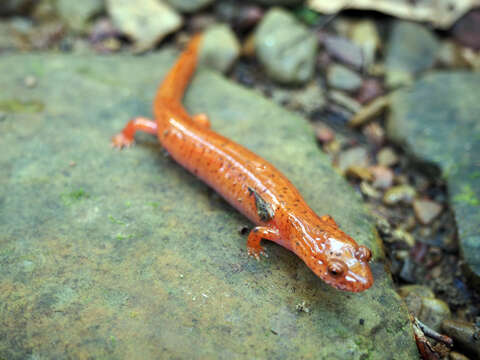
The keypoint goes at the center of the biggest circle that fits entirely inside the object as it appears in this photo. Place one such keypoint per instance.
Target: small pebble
(369, 191)
(370, 111)
(341, 77)
(382, 225)
(464, 334)
(248, 46)
(189, 6)
(345, 101)
(409, 223)
(370, 90)
(387, 157)
(408, 270)
(337, 113)
(426, 210)
(472, 58)
(467, 29)
(146, 22)
(102, 29)
(364, 34)
(402, 254)
(457, 356)
(419, 290)
(359, 172)
(434, 312)
(220, 48)
(30, 81)
(401, 235)
(323, 132)
(109, 45)
(413, 302)
(286, 48)
(248, 17)
(332, 147)
(436, 272)
(355, 156)
(399, 194)
(374, 133)
(382, 177)
(310, 98)
(202, 21)
(344, 50)
(401, 179)
(419, 252)
(450, 54)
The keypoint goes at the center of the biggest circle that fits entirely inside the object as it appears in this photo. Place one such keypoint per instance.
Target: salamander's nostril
(363, 253)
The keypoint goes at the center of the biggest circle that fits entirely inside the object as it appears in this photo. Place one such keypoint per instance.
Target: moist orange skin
(250, 184)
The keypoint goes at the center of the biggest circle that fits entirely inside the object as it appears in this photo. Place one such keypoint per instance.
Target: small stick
(433, 334)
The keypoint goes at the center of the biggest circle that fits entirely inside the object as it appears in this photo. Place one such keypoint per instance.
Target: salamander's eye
(363, 253)
(337, 268)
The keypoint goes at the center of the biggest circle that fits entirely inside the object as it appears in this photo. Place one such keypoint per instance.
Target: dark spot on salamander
(264, 209)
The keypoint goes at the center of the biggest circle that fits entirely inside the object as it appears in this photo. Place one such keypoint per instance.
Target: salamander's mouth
(356, 279)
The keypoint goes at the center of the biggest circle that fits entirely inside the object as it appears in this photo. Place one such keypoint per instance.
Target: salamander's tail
(175, 83)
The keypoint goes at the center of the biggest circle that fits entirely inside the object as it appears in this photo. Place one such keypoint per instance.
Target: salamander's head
(336, 258)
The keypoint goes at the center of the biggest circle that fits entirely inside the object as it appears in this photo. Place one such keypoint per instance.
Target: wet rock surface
(437, 121)
(125, 254)
(285, 47)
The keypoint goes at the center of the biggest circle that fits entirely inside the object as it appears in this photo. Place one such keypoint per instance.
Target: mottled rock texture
(125, 255)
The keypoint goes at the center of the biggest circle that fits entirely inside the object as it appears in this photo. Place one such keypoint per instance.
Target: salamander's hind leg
(126, 136)
(201, 120)
(255, 237)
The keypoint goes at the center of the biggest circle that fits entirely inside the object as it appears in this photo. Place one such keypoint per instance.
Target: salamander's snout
(363, 253)
(342, 264)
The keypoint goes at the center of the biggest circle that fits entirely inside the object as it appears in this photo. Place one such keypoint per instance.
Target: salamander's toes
(120, 141)
(257, 252)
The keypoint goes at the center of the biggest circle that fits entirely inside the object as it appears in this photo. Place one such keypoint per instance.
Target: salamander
(250, 184)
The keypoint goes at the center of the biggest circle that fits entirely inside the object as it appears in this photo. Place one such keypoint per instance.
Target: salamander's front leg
(255, 237)
(202, 120)
(126, 137)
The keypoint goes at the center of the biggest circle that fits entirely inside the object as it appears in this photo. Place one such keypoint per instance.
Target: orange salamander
(250, 184)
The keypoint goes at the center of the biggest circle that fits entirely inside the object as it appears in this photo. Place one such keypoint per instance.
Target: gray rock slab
(411, 50)
(437, 120)
(109, 254)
